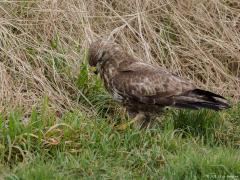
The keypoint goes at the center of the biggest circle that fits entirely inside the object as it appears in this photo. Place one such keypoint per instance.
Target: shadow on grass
(201, 122)
(213, 127)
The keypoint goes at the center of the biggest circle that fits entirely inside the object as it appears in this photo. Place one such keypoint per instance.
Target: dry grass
(42, 44)
(43, 47)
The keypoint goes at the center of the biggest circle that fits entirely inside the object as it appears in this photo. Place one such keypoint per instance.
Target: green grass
(185, 145)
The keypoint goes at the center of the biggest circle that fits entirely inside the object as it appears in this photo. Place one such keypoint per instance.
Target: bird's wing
(148, 84)
(153, 85)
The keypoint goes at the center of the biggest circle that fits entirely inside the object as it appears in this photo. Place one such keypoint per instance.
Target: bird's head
(95, 53)
(98, 53)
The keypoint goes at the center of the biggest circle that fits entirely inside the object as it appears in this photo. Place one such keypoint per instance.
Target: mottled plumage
(145, 89)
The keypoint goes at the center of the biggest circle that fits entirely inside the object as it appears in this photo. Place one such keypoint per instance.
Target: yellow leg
(138, 121)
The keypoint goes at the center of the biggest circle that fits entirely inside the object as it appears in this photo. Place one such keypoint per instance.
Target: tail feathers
(197, 98)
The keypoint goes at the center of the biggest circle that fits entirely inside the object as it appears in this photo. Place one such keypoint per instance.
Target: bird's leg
(139, 120)
(147, 122)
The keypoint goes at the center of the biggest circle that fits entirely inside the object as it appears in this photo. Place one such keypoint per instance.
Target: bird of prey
(145, 89)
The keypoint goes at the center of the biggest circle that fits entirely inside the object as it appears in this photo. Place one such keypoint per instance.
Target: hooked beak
(94, 70)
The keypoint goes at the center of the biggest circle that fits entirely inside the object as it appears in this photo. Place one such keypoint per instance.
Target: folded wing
(147, 84)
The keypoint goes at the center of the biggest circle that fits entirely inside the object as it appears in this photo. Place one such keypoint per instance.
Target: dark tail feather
(198, 98)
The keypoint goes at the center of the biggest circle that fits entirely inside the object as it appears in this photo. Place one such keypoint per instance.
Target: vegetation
(58, 122)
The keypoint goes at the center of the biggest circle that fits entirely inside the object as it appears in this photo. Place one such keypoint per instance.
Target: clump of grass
(200, 122)
(204, 164)
(93, 94)
(212, 127)
(92, 88)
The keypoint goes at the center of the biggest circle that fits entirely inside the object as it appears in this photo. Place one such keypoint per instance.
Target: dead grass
(42, 44)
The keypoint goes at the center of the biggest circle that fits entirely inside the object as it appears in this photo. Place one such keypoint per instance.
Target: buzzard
(145, 89)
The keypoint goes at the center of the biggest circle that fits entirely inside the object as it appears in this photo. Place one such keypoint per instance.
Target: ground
(58, 122)
(182, 144)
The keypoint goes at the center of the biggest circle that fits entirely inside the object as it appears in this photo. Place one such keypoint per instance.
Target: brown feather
(144, 87)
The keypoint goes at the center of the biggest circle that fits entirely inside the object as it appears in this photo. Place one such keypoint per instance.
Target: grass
(58, 122)
(76, 146)
(184, 144)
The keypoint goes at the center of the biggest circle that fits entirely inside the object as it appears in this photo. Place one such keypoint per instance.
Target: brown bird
(145, 89)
